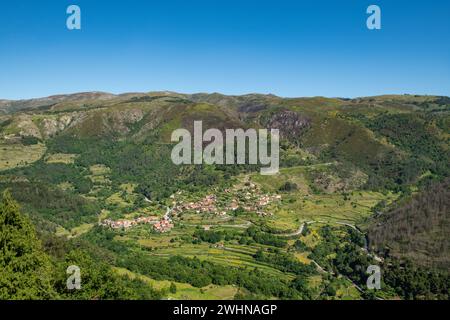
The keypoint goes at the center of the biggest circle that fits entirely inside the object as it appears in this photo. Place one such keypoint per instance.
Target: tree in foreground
(25, 270)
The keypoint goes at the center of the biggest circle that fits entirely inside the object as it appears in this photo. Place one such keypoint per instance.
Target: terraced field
(17, 155)
(235, 256)
(328, 208)
(61, 158)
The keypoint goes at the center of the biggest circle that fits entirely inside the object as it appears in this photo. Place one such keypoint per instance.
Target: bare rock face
(130, 116)
(27, 127)
(52, 126)
(290, 123)
(76, 118)
(49, 127)
(64, 122)
(119, 121)
(97, 122)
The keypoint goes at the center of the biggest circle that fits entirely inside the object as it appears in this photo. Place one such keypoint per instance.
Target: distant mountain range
(9, 106)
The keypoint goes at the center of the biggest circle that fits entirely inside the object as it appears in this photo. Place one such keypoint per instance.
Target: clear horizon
(226, 94)
(287, 48)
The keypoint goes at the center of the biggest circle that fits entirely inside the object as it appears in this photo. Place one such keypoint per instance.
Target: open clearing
(17, 155)
(61, 158)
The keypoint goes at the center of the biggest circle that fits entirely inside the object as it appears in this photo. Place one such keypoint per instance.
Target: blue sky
(288, 48)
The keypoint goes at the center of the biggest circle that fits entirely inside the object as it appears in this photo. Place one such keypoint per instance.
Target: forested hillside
(417, 228)
(27, 272)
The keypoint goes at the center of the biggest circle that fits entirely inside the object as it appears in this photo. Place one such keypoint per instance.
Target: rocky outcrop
(290, 123)
(52, 126)
(27, 128)
(120, 121)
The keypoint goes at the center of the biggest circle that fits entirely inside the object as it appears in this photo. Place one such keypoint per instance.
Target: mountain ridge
(9, 105)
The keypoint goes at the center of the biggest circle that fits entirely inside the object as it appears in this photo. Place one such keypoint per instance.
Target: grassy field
(17, 155)
(117, 199)
(302, 257)
(347, 291)
(128, 187)
(61, 158)
(75, 232)
(99, 174)
(99, 169)
(273, 183)
(313, 238)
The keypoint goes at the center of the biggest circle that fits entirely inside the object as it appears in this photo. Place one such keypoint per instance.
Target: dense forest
(417, 228)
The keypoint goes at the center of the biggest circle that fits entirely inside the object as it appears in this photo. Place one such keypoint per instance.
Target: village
(159, 225)
(247, 198)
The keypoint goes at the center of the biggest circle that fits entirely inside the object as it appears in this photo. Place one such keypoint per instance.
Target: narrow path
(319, 267)
(296, 233)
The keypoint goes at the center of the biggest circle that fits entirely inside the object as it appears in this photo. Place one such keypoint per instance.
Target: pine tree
(25, 270)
